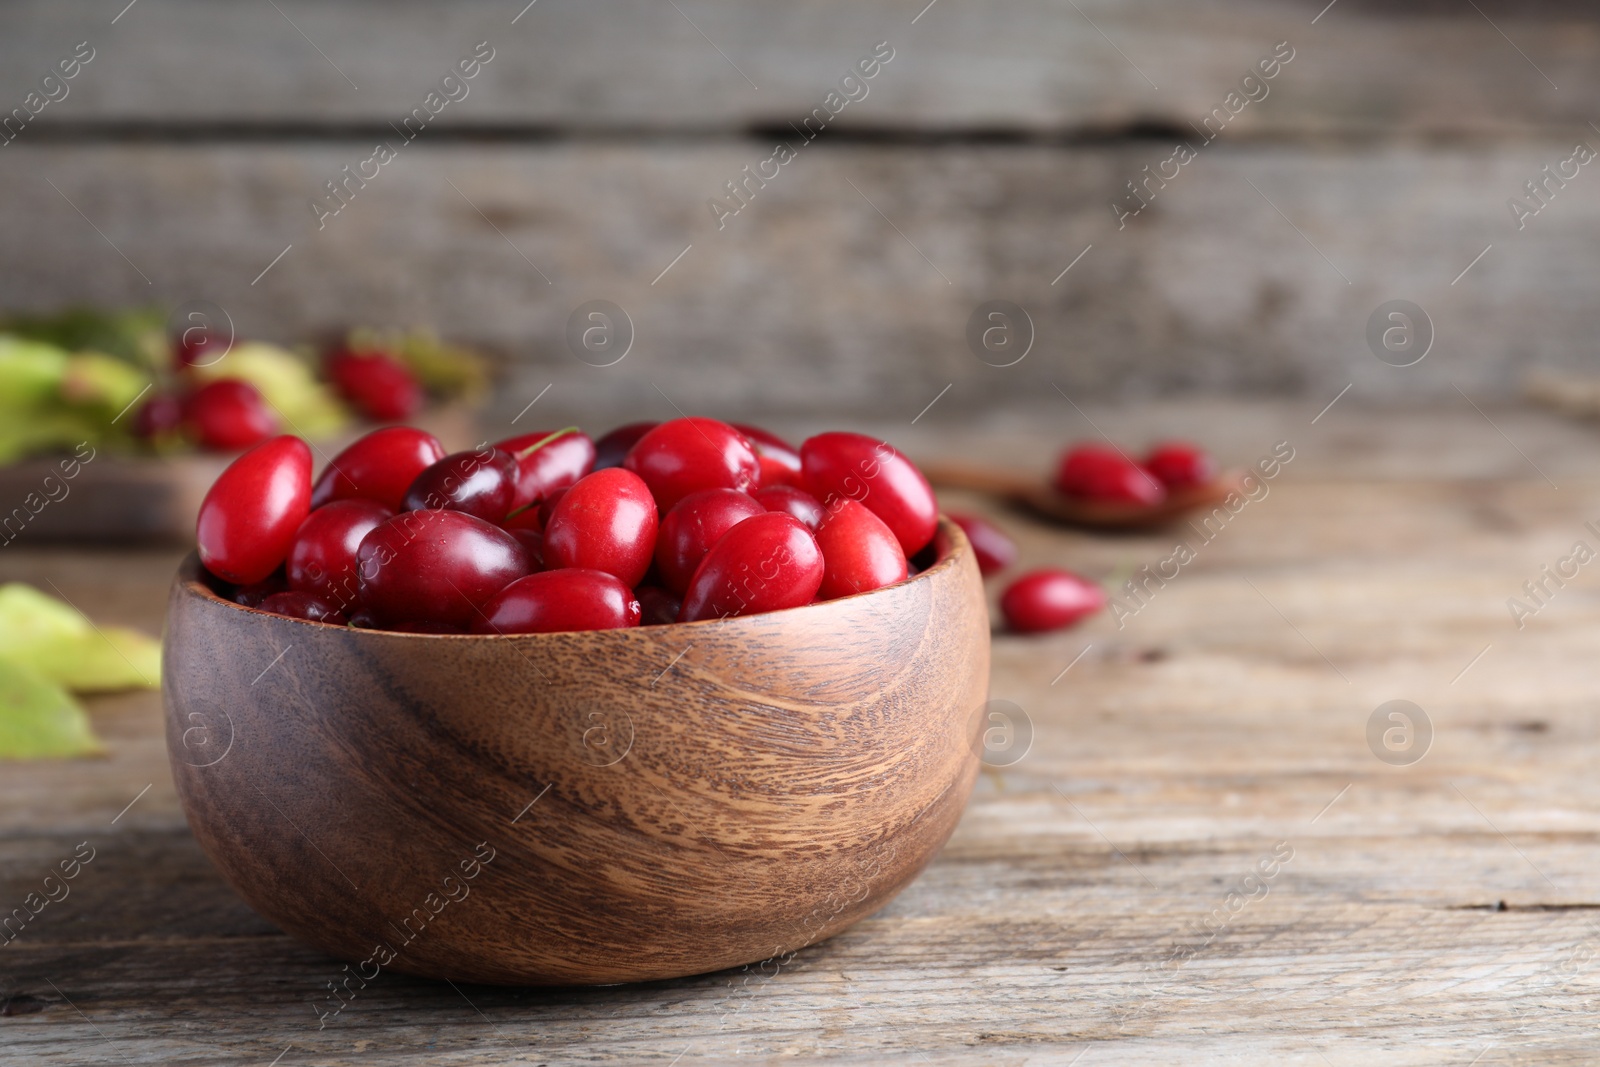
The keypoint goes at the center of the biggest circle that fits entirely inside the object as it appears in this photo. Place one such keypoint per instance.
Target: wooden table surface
(1103, 900)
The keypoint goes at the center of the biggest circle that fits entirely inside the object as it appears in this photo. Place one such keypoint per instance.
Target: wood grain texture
(810, 300)
(1166, 762)
(619, 805)
(711, 66)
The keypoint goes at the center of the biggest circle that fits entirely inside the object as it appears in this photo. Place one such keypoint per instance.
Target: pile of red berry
(228, 414)
(653, 523)
(1104, 473)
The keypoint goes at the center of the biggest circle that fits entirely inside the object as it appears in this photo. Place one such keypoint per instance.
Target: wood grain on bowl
(592, 807)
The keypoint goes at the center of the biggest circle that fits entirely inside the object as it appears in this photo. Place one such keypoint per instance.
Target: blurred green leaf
(137, 335)
(39, 719)
(59, 643)
(30, 372)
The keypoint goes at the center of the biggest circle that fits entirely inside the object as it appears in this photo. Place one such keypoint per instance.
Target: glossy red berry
(1181, 465)
(438, 566)
(1101, 473)
(797, 502)
(560, 600)
(229, 414)
(555, 464)
(606, 522)
(322, 561)
(482, 482)
(301, 605)
(248, 518)
(611, 449)
(686, 455)
(780, 461)
(993, 549)
(160, 416)
(379, 466)
(657, 607)
(1049, 599)
(379, 386)
(870, 471)
(859, 551)
(693, 525)
(766, 563)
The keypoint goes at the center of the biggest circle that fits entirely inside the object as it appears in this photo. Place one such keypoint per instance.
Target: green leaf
(26, 614)
(62, 646)
(112, 659)
(39, 719)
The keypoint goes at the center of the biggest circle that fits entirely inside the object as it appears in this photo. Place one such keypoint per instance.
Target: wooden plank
(1062, 917)
(705, 65)
(853, 274)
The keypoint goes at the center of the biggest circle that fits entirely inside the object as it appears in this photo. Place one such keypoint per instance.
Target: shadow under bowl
(575, 808)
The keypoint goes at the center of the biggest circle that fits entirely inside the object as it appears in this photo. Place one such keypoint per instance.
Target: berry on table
(1049, 599)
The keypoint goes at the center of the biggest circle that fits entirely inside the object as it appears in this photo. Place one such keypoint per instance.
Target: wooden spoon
(1045, 500)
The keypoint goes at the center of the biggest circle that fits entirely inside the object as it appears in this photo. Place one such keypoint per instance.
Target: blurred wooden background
(981, 163)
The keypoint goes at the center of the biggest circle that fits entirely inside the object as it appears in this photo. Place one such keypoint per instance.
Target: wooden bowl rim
(947, 533)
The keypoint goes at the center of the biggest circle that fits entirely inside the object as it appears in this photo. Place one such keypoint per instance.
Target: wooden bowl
(596, 807)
